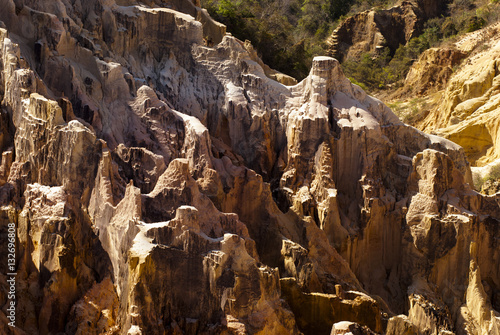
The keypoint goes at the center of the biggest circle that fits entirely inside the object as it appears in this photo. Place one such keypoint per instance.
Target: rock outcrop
(466, 110)
(432, 71)
(372, 31)
(160, 183)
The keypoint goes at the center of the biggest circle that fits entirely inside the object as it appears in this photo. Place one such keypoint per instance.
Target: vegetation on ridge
(490, 180)
(288, 33)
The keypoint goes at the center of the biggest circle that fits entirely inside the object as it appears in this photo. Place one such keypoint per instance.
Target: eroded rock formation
(466, 109)
(372, 31)
(161, 183)
(432, 71)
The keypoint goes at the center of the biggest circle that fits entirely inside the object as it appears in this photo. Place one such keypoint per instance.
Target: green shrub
(492, 176)
(370, 71)
(286, 34)
(464, 17)
(354, 81)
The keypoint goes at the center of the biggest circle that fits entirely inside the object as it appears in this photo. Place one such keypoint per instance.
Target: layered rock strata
(432, 71)
(161, 184)
(466, 109)
(372, 31)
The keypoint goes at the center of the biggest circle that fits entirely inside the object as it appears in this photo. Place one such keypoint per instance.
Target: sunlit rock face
(162, 183)
(374, 30)
(466, 110)
(460, 86)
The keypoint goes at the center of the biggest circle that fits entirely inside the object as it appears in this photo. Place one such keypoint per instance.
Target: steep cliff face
(161, 183)
(466, 109)
(372, 31)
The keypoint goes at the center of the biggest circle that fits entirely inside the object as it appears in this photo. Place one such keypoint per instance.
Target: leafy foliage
(379, 71)
(286, 33)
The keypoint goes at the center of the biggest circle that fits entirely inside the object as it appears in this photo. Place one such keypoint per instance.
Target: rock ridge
(162, 184)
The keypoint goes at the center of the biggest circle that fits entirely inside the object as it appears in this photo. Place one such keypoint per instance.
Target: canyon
(163, 180)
